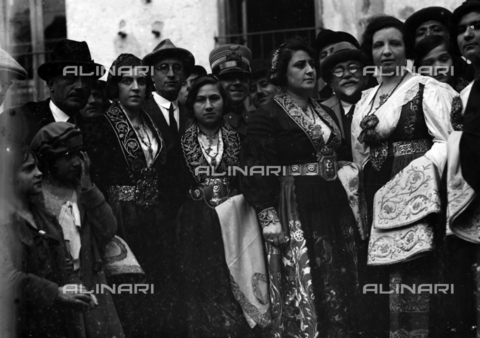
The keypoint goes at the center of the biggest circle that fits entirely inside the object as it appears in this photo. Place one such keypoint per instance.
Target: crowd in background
(309, 195)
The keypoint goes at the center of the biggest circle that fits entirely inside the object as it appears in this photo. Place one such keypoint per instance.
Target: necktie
(173, 122)
(350, 113)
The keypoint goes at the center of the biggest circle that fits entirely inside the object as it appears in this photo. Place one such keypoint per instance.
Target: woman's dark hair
(199, 83)
(427, 44)
(285, 54)
(116, 71)
(381, 22)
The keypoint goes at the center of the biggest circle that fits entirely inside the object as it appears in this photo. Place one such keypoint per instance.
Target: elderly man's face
(350, 83)
(70, 93)
(431, 27)
(169, 76)
(262, 91)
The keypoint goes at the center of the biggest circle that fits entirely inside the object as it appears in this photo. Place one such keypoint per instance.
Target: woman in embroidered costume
(34, 266)
(311, 232)
(128, 154)
(399, 134)
(209, 231)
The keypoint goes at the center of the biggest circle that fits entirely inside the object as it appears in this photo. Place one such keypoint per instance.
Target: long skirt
(210, 307)
(151, 237)
(314, 282)
(389, 313)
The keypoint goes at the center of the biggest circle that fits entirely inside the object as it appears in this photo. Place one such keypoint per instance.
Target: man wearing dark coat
(170, 67)
(69, 77)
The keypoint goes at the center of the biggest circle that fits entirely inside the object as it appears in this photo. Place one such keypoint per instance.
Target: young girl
(34, 269)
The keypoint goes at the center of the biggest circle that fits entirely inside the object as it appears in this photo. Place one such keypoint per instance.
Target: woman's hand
(76, 297)
(273, 233)
(85, 180)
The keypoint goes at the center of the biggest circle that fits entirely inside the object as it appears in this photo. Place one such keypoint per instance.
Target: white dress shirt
(58, 114)
(164, 105)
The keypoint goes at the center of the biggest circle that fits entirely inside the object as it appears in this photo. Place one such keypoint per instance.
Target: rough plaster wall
(350, 15)
(190, 24)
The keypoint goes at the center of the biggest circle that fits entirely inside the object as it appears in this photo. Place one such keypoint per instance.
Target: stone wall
(190, 24)
(350, 15)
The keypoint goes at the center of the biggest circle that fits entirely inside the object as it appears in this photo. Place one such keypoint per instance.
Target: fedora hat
(230, 58)
(328, 37)
(8, 64)
(167, 49)
(71, 53)
(342, 51)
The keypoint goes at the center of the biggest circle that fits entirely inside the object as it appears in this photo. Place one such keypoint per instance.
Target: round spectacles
(340, 71)
(165, 68)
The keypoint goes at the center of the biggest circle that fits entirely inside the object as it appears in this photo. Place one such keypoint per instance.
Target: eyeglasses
(340, 71)
(474, 26)
(165, 68)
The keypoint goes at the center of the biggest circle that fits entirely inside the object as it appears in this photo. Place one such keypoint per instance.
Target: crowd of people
(326, 192)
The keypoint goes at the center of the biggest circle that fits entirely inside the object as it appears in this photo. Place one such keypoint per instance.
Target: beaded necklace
(384, 97)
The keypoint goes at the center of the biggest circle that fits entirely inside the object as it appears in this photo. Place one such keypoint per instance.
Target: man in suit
(69, 77)
(231, 64)
(171, 67)
(342, 70)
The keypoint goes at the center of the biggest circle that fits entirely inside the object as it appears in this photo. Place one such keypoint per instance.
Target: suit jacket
(344, 152)
(170, 192)
(21, 124)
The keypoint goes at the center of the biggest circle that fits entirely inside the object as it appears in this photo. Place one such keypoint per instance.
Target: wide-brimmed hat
(167, 49)
(328, 37)
(342, 51)
(71, 53)
(8, 64)
(439, 14)
(230, 58)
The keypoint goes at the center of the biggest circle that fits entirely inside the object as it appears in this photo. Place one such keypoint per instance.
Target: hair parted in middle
(283, 55)
(378, 23)
(198, 84)
(115, 74)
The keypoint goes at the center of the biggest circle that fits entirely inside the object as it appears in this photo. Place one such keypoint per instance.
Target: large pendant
(317, 131)
(328, 167)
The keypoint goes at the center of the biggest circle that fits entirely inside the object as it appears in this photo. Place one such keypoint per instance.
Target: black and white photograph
(239, 168)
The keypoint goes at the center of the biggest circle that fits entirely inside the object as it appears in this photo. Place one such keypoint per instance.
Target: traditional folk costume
(401, 146)
(314, 280)
(221, 252)
(126, 163)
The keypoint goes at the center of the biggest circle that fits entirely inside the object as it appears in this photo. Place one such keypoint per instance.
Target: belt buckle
(328, 167)
(216, 192)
